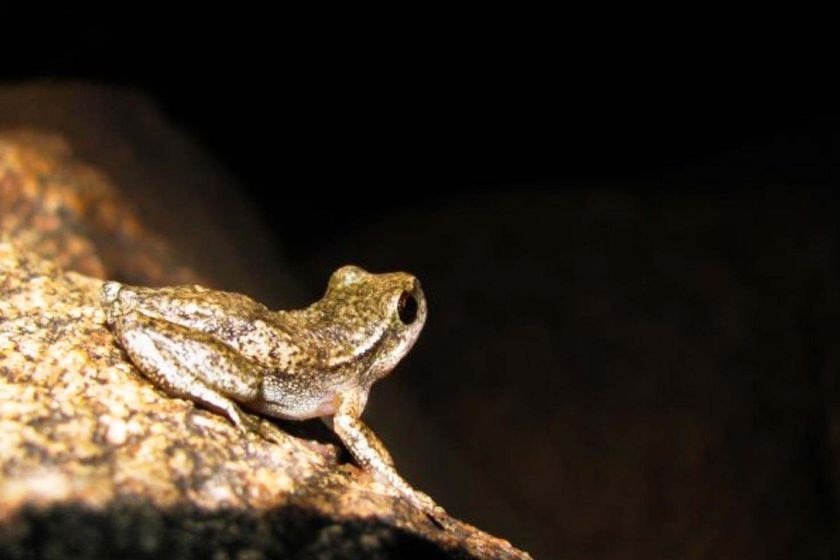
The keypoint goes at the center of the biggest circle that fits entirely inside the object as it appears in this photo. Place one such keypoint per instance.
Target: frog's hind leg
(192, 365)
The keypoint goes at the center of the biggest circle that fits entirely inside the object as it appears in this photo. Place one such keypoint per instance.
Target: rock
(71, 213)
(96, 135)
(97, 462)
(91, 445)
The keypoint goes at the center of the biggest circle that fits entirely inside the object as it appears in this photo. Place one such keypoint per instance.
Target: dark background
(429, 117)
(628, 242)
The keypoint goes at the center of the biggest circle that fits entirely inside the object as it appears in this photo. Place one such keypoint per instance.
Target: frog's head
(380, 315)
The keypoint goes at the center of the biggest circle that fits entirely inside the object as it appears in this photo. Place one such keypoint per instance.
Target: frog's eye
(407, 308)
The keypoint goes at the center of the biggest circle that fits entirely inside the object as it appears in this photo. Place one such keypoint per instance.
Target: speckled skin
(220, 348)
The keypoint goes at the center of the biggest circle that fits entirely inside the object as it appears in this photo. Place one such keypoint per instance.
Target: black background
(295, 111)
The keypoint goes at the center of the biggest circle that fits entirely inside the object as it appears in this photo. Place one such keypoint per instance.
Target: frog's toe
(245, 422)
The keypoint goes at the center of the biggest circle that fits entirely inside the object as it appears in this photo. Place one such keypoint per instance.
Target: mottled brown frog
(223, 349)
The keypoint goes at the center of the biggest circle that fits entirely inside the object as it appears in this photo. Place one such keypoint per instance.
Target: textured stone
(83, 432)
(96, 462)
(71, 213)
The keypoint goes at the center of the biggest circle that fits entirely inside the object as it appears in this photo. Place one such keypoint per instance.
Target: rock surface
(174, 187)
(96, 462)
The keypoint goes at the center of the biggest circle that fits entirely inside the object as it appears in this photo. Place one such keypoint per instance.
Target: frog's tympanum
(220, 348)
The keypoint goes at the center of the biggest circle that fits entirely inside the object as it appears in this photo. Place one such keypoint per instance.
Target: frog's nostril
(407, 308)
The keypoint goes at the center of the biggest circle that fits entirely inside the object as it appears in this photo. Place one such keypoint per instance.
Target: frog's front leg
(371, 455)
(192, 365)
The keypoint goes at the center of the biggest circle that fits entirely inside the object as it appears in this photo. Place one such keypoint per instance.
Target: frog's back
(244, 324)
(233, 319)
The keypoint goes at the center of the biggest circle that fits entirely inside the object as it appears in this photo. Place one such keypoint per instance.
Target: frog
(231, 354)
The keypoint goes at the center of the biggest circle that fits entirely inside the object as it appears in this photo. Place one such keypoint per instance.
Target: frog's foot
(371, 455)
